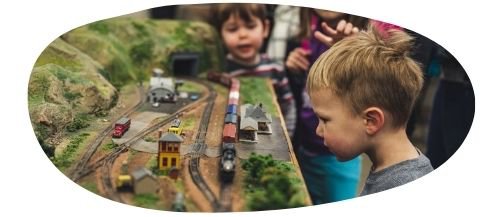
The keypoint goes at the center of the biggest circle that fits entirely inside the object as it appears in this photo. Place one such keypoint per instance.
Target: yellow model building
(168, 151)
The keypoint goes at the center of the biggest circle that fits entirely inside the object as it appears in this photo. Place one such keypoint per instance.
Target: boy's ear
(374, 119)
(266, 29)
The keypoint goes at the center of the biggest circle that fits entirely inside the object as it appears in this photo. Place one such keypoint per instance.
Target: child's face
(344, 133)
(244, 39)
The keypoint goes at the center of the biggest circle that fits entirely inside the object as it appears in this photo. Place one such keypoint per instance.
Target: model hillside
(79, 75)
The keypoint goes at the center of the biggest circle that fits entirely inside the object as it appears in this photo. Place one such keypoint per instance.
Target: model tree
(271, 184)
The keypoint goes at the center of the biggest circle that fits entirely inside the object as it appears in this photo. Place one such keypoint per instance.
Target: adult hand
(332, 36)
(298, 60)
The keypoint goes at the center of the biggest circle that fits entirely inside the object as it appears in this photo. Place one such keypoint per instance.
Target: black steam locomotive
(227, 162)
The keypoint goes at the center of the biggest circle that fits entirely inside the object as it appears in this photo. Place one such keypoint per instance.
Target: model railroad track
(226, 198)
(197, 150)
(79, 169)
(107, 178)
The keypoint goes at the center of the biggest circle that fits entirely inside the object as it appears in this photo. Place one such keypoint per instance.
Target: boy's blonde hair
(371, 68)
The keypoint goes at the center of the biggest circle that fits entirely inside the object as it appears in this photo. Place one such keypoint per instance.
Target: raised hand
(332, 36)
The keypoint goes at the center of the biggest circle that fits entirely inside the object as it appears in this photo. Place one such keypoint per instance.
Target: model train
(120, 127)
(229, 135)
(227, 162)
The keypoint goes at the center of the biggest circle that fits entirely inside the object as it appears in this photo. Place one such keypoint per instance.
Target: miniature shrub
(65, 159)
(271, 184)
(79, 122)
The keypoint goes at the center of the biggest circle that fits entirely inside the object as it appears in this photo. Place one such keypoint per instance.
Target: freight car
(232, 109)
(230, 119)
(229, 133)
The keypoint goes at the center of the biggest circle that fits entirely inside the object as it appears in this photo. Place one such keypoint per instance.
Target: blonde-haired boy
(363, 91)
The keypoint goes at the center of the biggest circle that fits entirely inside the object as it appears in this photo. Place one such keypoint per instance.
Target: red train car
(229, 133)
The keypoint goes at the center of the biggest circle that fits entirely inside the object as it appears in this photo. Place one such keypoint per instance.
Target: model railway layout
(129, 110)
(129, 131)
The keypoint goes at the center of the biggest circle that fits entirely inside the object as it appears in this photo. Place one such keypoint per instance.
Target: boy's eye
(251, 25)
(231, 28)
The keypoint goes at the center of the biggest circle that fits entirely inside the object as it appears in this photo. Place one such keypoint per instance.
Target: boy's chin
(343, 158)
(247, 58)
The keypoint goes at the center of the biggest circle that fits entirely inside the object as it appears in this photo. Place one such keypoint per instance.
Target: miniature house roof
(159, 90)
(171, 137)
(167, 83)
(257, 112)
(141, 173)
(248, 124)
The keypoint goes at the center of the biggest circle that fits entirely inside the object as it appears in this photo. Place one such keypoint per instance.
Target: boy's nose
(242, 33)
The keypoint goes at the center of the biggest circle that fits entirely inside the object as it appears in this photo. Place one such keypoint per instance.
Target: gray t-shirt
(396, 175)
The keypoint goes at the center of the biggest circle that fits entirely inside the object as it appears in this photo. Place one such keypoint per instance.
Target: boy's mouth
(244, 47)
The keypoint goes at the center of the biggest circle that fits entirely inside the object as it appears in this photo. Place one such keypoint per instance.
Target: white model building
(254, 120)
(161, 89)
